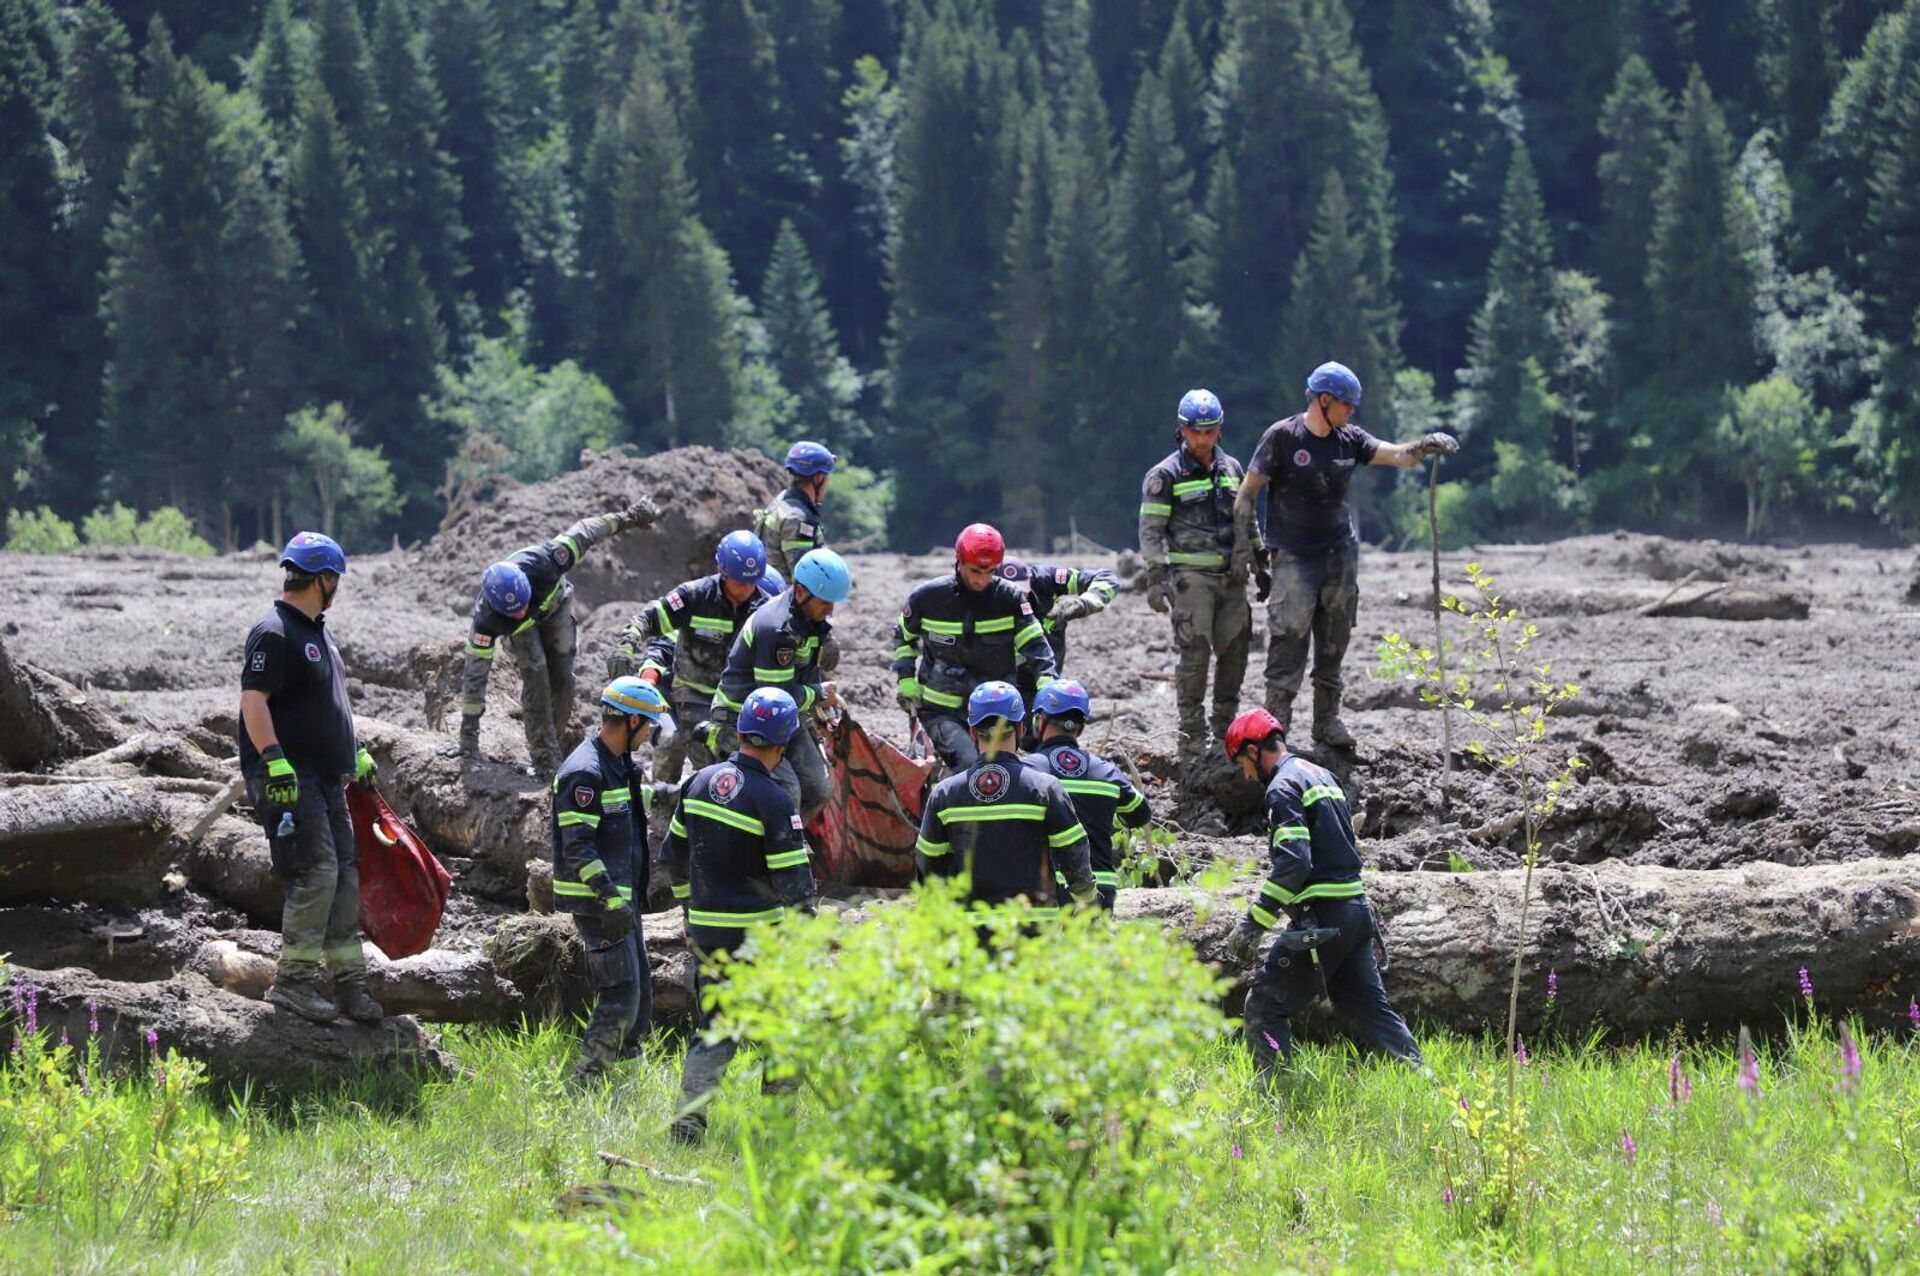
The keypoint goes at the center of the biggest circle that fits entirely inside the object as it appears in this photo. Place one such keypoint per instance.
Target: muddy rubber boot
(689, 1129)
(304, 998)
(1327, 727)
(355, 1002)
(1281, 707)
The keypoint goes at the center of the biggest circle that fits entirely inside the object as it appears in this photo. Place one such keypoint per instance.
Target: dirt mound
(701, 494)
(1663, 559)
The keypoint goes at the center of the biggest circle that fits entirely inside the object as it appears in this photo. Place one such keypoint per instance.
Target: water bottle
(286, 825)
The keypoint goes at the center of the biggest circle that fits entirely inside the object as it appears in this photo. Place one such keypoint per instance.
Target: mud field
(1739, 707)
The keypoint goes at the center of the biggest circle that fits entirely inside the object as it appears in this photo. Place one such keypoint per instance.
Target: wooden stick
(1439, 637)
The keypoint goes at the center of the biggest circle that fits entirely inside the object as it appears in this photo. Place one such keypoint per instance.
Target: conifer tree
(580, 83)
(1893, 210)
(660, 307)
(804, 348)
(1334, 307)
(32, 251)
(1861, 125)
(461, 43)
(344, 69)
(1183, 76)
(330, 221)
(1513, 327)
(1798, 67)
(1637, 124)
(278, 71)
(412, 191)
(738, 128)
(1698, 272)
(1023, 316)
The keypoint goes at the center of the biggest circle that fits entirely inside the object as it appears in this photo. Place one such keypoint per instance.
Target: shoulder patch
(794, 820)
(726, 784)
(1060, 575)
(483, 640)
(676, 601)
(989, 783)
(1026, 608)
(1156, 482)
(584, 796)
(259, 662)
(809, 529)
(1070, 761)
(563, 556)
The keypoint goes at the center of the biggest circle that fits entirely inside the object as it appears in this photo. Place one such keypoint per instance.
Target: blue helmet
(635, 697)
(807, 458)
(1061, 698)
(313, 553)
(768, 716)
(1336, 379)
(772, 582)
(995, 700)
(741, 557)
(825, 575)
(1201, 410)
(506, 588)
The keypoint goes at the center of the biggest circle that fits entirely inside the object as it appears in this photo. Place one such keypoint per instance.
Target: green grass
(1345, 1168)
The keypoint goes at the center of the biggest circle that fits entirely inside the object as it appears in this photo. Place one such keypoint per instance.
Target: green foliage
(1636, 123)
(804, 348)
(1456, 513)
(345, 489)
(39, 531)
(1062, 1039)
(1767, 438)
(166, 528)
(1513, 332)
(1334, 264)
(542, 417)
(862, 503)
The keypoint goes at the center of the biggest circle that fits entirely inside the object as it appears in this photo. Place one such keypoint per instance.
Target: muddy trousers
(319, 875)
(545, 652)
(706, 1061)
(952, 742)
(688, 744)
(1212, 628)
(1314, 601)
(622, 982)
(1287, 983)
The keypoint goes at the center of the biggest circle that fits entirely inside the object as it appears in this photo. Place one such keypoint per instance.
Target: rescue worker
(526, 600)
(779, 646)
(1315, 883)
(1187, 536)
(960, 631)
(737, 861)
(599, 831)
(1060, 595)
(297, 748)
(790, 526)
(680, 644)
(1309, 459)
(1005, 823)
(1102, 796)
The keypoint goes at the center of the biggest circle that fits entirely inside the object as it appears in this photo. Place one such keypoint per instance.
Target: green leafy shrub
(115, 525)
(167, 528)
(39, 531)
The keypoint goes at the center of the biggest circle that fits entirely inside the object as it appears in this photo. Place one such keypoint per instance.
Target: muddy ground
(1789, 735)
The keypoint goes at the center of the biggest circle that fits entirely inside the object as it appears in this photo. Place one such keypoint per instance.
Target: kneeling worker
(600, 869)
(737, 860)
(1315, 881)
(1101, 794)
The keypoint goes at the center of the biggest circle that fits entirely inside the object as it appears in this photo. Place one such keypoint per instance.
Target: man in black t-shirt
(1309, 460)
(297, 748)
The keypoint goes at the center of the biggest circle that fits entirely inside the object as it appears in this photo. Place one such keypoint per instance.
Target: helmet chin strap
(326, 595)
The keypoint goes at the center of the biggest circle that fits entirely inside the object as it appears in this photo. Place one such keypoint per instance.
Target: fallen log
(240, 1041)
(107, 842)
(1730, 601)
(44, 718)
(1635, 948)
(439, 985)
(540, 955)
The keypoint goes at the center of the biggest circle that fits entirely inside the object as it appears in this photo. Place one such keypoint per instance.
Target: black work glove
(1262, 582)
(618, 923)
(1159, 591)
(639, 514)
(1438, 443)
(1244, 944)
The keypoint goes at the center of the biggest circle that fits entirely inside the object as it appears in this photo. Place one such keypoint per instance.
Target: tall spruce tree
(580, 56)
(1023, 315)
(1564, 53)
(462, 37)
(954, 210)
(803, 346)
(99, 123)
(1183, 75)
(1637, 123)
(1698, 270)
(660, 310)
(1861, 125)
(1514, 326)
(1334, 305)
(1798, 69)
(277, 73)
(1295, 107)
(1893, 209)
(413, 193)
(344, 69)
(339, 256)
(32, 253)
(198, 245)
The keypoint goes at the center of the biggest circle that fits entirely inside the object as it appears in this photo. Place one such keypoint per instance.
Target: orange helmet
(1251, 727)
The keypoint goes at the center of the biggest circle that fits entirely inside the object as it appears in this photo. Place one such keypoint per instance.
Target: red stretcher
(864, 835)
(403, 888)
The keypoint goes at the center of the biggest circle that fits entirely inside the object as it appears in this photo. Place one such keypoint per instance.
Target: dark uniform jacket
(294, 661)
(1044, 583)
(1010, 827)
(546, 566)
(1101, 797)
(790, 529)
(1311, 841)
(599, 830)
(734, 851)
(777, 647)
(1186, 512)
(950, 639)
(685, 636)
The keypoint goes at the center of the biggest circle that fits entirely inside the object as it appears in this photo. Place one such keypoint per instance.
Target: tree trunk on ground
(1635, 948)
(108, 842)
(44, 719)
(240, 1041)
(438, 985)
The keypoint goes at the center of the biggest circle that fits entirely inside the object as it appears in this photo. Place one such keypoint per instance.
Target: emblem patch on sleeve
(795, 821)
(1157, 484)
(584, 796)
(483, 640)
(259, 662)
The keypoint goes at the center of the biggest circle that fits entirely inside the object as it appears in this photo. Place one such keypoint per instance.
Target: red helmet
(980, 545)
(1251, 727)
